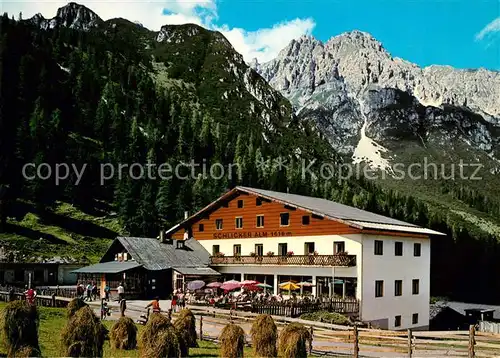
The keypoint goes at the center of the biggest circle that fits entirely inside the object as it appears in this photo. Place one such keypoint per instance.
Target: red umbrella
(230, 286)
(253, 288)
(214, 284)
(249, 283)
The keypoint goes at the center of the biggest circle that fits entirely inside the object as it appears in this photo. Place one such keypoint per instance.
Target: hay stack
(232, 341)
(74, 305)
(20, 328)
(159, 339)
(185, 325)
(293, 341)
(84, 335)
(27, 352)
(124, 334)
(264, 336)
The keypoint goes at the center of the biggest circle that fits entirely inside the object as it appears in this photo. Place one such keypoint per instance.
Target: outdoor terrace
(340, 260)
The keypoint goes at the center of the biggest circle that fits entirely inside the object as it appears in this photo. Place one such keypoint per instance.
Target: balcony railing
(295, 260)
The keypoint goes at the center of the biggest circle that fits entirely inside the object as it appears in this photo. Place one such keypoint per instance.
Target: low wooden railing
(345, 306)
(46, 301)
(304, 260)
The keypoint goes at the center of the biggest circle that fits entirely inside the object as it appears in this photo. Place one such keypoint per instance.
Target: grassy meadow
(52, 321)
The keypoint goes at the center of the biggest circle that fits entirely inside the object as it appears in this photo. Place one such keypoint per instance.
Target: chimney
(186, 235)
(186, 215)
(162, 236)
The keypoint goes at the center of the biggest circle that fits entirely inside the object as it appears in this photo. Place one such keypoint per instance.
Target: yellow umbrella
(289, 286)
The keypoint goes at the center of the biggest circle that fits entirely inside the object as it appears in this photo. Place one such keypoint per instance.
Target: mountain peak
(76, 16)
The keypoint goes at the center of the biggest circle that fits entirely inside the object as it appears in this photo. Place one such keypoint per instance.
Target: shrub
(124, 334)
(185, 324)
(264, 335)
(327, 317)
(159, 339)
(232, 341)
(74, 305)
(20, 328)
(293, 341)
(84, 335)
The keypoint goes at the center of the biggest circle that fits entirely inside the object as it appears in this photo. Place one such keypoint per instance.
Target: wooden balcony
(294, 260)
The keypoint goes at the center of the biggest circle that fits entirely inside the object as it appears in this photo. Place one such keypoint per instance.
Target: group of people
(178, 300)
(88, 292)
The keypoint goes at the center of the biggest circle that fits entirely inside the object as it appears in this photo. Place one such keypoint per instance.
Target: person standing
(173, 306)
(121, 292)
(123, 307)
(94, 291)
(89, 292)
(106, 293)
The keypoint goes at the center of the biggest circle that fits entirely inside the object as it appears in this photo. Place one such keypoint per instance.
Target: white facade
(369, 268)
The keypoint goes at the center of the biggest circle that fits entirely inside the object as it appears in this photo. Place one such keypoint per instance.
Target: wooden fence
(46, 301)
(345, 341)
(344, 306)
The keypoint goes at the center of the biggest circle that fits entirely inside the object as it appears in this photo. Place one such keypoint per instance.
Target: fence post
(472, 341)
(356, 343)
(311, 341)
(409, 343)
(201, 328)
(53, 300)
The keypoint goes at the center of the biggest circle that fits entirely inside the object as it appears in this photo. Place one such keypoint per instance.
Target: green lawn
(52, 321)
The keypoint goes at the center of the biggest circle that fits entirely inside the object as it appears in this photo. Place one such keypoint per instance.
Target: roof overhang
(196, 271)
(109, 267)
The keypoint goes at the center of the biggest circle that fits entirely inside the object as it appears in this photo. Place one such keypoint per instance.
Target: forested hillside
(120, 94)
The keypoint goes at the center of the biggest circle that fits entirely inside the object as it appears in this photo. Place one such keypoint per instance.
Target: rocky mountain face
(73, 16)
(354, 89)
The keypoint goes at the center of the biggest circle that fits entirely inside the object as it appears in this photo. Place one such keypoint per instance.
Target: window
(379, 288)
(397, 321)
(215, 249)
(308, 248)
(305, 220)
(417, 249)
(260, 220)
(284, 219)
(282, 249)
(379, 247)
(239, 222)
(218, 224)
(237, 250)
(258, 202)
(338, 246)
(240, 204)
(259, 249)
(201, 228)
(415, 287)
(398, 248)
(398, 288)
(414, 318)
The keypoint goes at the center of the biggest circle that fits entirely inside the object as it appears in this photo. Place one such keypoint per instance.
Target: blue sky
(460, 33)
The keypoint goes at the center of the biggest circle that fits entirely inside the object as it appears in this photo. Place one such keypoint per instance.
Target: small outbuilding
(149, 267)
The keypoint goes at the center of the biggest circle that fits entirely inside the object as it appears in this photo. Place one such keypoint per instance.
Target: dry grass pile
(294, 341)
(264, 336)
(74, 305)
(232, 341)
(20, 328)
(159, 339)
(84, 335)
(185, 324)
(27, 352)
(123, 334)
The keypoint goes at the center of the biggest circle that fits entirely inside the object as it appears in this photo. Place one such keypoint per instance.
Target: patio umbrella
(249, 283)
(252, 288)
(289, 286)
(263, 285)
(195, 285)
(214, 284)
(230, 286)
(232, 281)
(305, 284)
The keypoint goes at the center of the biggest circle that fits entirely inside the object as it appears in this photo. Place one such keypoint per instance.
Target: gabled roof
(348, 215)
(154, 255)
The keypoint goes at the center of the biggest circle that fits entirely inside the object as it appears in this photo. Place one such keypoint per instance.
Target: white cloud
(263, 44)
(489, 29)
